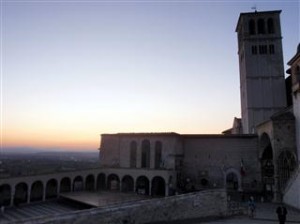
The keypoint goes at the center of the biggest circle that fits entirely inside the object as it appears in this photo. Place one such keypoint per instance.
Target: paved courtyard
(265, 213)
(103, 198)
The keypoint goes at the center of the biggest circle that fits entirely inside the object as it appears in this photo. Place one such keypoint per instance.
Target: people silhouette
(281, 213)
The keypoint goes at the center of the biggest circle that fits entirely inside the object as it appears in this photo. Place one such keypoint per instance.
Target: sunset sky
(71, 70)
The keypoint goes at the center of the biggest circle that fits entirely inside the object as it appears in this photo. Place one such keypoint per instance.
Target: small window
(263, 49)
(261, 26)
(271, 26)
(271, 49)
(133, 151)
(204, 182)
(145, 154)
(158, 151)
(251, 27)
(254, 49)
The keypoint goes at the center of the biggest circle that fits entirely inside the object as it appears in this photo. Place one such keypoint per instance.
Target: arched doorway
(142, 185)
(101, 183)
(51, 189)
(113, 182)
(158, 186)
(90, 183)
(267, 167)
(232, 181)
(65, 185)
(78, 184)
(286, 166)
(5, 193)
(37, 191)
(21, 193)
(127, 184)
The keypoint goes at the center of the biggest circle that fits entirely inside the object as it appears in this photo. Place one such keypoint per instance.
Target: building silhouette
(262, 82)
(259, 154)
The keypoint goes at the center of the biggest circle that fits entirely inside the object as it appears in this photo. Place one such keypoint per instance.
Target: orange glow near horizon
(72, 72)
(88, 138)
(71, 130)
(50, 141)
(51, 144)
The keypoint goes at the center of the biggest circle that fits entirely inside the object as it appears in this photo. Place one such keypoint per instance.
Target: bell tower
(262, 82)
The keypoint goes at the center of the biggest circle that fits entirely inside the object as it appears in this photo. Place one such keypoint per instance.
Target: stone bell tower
(262, 81)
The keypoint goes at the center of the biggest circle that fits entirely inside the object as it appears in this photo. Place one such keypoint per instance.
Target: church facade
(258, 154)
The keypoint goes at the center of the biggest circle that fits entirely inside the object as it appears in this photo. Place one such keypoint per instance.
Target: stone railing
(236, 208)
(203, 204)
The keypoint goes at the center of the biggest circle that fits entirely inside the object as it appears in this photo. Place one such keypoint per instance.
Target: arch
(158, 186)
(232, 181)
(252, 27)
(142, 185)
(5, 194)
(127, 184)
(270, 24)
(145, 154)
(133, 151)
(158, 151)
(261, 26)
(51, 189)
(113, 182)
(101, 183)
(21, 193)
(286, 166)
(204, 182)
(37, 191)
(78, 183)
(267, 166)
(265, 147)
(89, 182)
(65, 185)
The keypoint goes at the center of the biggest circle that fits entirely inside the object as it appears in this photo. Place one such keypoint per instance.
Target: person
(251, 206)
(281, 213)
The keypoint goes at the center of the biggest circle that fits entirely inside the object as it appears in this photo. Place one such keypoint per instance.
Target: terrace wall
(209, 203)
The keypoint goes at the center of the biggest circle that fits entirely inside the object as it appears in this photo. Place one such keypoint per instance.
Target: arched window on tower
(251, 27)
(158, 150)
(146, 154)
(133, 149)
(260, 26)
(271, 26)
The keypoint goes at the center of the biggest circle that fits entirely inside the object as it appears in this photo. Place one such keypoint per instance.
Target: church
(258, 155)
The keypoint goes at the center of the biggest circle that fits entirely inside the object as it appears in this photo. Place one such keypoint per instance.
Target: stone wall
(296, 108)
(292, 192)
(212, 157)
(115, 149)
(210, 203)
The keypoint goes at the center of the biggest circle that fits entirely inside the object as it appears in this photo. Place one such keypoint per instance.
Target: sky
(72, 70)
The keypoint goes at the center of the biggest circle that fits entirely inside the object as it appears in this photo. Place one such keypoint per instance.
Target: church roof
(174, 134)
(141, 134)
(297, 56)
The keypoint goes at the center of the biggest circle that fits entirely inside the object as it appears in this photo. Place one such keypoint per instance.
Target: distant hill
(21, 150)
(28, 150)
